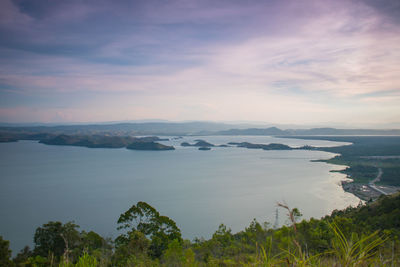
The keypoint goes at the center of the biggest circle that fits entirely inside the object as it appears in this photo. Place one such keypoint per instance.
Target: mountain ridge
(187, 128)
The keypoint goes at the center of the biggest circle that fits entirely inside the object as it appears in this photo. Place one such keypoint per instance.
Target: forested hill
(367, 235)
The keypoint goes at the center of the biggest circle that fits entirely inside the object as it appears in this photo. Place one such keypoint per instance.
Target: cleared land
(372, 162)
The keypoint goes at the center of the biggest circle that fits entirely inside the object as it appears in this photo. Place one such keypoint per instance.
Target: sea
(199, 190)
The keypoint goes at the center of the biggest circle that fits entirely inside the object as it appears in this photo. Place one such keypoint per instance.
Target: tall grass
(355, 251)
(345, 252)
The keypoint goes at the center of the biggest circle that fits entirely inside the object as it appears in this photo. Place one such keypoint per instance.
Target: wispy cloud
(278, 61)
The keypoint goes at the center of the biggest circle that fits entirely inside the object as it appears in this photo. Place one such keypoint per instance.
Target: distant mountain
(334, 131)
(314, 131)
(177, 129)
(146, 128)
(253, 131)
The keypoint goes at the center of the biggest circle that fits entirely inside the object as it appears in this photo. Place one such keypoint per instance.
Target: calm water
(197, 189)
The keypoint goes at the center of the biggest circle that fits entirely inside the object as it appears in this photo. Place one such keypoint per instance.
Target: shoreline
(372, 163)
(366, 191)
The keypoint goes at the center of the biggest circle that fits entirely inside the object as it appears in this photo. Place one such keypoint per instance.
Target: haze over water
(197, 189)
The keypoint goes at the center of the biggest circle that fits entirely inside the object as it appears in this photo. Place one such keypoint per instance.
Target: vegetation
(103, 141)
(90, 141)
(365, 156)
(271, 146)
(148, 146)
(5, 253)
(199, 143)
(93, 141)
(367, 235)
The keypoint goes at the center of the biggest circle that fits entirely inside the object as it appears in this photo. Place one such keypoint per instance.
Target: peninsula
(371, 162)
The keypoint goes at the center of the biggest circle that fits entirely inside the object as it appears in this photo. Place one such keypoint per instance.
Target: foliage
(86, 261)
(174, 255)
(367, 235)
(365, 156)
(23, 256)
(145, 219)
(355, 251)
(5, 253)
(55, 238)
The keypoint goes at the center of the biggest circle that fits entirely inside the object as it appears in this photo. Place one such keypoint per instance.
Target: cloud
(177, 59)
(387, 8)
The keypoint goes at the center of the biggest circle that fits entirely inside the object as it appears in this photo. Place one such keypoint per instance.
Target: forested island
(271, 146)
(94, 141)
(149, 146)
(101, 141)
(367, 235)
(199, 143)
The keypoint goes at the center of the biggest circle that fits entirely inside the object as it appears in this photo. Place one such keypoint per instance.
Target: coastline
(365, 161)
(360, 190)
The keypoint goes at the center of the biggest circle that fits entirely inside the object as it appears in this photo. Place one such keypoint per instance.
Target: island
(149, 146)
(199, 143)
(272, 146)
(97, 141)
(5, 139)
(92, 141)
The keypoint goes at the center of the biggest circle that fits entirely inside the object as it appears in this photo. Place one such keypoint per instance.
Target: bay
(197, 189)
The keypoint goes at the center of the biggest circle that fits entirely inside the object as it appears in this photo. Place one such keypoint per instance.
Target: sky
(332, 62)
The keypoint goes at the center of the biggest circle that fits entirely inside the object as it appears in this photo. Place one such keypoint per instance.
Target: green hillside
(367, 235)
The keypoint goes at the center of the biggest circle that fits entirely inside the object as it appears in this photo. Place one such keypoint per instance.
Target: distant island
(272, 146)
(199, 143)
(98, 141)
(149, 146)
(94, 141)
(5, 139)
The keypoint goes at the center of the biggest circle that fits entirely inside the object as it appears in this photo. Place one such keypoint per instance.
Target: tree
(22, 257)
(56, 238)
(144, 218)
(5, 253)
(92, 241)
(174, 256)
(135, 248)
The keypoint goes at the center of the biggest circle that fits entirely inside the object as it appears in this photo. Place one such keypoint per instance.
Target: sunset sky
(294, 62)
